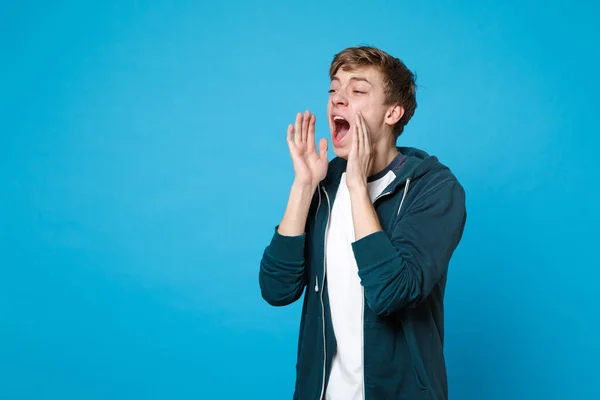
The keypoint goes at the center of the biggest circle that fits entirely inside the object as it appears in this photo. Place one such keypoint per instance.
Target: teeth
(338, 118)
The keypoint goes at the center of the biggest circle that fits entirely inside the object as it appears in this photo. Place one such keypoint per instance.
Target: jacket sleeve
(400, 270)
(281, 276)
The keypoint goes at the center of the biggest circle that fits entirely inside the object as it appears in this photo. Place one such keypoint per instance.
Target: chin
(341, 152)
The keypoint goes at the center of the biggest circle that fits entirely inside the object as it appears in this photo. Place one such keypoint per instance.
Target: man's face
(358, 90)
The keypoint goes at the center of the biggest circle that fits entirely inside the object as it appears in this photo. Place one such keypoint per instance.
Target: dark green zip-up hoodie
(403, 270)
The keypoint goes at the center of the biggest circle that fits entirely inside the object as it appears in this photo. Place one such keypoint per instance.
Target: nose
(339, 98)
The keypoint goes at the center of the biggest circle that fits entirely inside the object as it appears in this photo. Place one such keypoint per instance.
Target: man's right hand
(310, 168)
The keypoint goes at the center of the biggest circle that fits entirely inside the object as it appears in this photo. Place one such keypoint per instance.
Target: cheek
(369, 118)
(358, 106)
(375, 119)
(374, 125)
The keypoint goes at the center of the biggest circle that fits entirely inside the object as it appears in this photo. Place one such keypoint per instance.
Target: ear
(393, 114)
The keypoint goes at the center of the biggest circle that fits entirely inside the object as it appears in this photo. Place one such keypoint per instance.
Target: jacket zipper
(316, 214)
(322, 289)
(364, 395)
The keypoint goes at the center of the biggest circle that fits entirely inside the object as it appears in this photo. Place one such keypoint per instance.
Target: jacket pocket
(393, 369)
(415, 357)
(419, 371)
(310, 356)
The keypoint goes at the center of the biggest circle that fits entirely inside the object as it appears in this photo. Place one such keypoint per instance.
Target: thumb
(323, 148)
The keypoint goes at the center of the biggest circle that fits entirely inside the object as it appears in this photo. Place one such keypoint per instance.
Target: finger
(359, 135)
(354, 144)
(311, 133)
(298, 129)
(305, 123)
(366, 139)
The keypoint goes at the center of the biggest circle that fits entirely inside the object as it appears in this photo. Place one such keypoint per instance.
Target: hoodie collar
(416, 164)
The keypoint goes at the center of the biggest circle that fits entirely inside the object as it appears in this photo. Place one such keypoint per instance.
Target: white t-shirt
(346, 293)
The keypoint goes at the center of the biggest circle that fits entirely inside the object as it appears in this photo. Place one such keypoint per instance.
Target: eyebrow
(354, 78)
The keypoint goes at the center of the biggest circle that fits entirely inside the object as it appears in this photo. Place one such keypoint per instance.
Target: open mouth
(340, 127)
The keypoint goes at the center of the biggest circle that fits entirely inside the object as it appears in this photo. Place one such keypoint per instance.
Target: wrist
(359, 189)
(303, 192)
(299, 186)
(296, 212)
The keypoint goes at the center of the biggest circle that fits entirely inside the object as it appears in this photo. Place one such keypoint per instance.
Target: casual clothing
(372, 319)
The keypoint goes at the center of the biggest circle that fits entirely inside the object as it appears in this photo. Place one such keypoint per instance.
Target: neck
(382, 158)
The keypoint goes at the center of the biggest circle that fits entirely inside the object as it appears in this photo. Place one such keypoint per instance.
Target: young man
(367, 238)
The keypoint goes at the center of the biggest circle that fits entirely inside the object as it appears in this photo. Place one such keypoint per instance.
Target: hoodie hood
(418, 163)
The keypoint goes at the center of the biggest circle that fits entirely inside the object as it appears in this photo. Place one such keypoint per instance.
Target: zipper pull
(317, 284)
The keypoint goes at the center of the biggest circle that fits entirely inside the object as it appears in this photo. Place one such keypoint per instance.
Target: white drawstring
(404, 195)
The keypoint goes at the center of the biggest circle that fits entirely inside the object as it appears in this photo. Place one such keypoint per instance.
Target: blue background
(143, 166)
